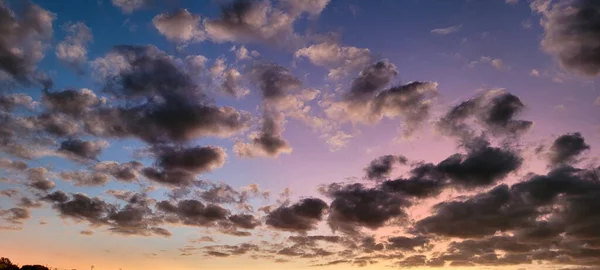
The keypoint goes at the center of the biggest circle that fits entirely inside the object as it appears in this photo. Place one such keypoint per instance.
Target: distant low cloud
(447, 30)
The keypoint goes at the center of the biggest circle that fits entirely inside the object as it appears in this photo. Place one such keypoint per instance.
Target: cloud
(494, 62)
(179, 110)
(193, 212)
(73, 50)
(407, 243)
(299, 217)
(10, 102)
(341, 60)
(37, 179)
(129, 6)
(242, 53)
(494, 110)
(82, 151)
(382, 166)
(15, 215)
(268, 142)
(566, 149)
(81, 207)
(84, 179)
(368, 102)
(23, 45)
(178, 166)
(17, 165)
(485, 213)
(570, 34)
(179, 26)
(232, 84)
(355, 206)
(74, 103)
(447, 30)
(245, 21)
(276, 84)
(126, 172)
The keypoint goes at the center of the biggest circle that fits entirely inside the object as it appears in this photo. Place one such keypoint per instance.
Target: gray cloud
(495, 111)
(83, 151)
(73, 50)
(179, 26)
(23, 44)
(571, 34)
(355, 206)
(567, 148)
(381, 167)
(299, 217)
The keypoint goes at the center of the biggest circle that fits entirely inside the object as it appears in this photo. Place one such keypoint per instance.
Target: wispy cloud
(447, 30)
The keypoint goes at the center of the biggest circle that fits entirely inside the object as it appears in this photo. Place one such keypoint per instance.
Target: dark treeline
(6, 264)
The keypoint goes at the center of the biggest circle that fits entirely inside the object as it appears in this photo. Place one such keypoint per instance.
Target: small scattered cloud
(447, 30)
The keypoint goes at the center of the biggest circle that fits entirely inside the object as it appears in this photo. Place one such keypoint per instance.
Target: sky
(286, 134)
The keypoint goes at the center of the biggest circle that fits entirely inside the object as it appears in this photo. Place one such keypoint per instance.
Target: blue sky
(272, 113)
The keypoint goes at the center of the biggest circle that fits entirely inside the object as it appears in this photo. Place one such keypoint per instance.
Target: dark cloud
(407, 243)
(134, 218)
(193, 212)
(497, 210)
(495, 111)
(571, 35)
(244, 221)
(178, 166)
(54, 124)
(83, 151)
(425, 181)
(567, 148)
(370, 80)
(194, 159)
(81, 207)
(74, 103)
(381, 167)
(299, 217)
(23, 41)
(56, 197)
(355, 206)
(172, 106)
(483, 165)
